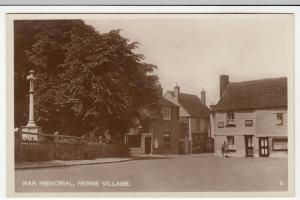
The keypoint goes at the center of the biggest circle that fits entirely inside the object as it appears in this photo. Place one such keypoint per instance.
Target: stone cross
(31, 79)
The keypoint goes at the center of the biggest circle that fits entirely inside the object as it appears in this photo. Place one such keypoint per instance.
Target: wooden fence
(63, 147)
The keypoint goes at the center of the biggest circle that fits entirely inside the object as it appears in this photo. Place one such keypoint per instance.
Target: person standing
(224, 147)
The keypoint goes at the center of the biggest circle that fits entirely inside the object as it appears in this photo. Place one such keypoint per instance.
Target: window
(279, 119)
(166, 113)
(220, 124)
(206, 125)
(230, 118)
(280, 144)
(230, 142)
(156, 142)
(167, 140)
(134, 141)
(197, 124)
(145, 126)
(248, 122)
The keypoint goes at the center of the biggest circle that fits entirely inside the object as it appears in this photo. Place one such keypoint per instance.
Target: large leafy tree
(86, 80)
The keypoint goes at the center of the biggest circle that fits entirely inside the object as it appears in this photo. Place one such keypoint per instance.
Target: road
(183, 173)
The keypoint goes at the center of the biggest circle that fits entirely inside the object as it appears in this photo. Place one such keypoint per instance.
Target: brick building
(194, 115)
(251, 117)
(157, 130)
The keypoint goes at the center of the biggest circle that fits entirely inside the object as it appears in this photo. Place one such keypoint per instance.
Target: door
(196, 143)
(263, 147)
(249, 145)
(147, 145)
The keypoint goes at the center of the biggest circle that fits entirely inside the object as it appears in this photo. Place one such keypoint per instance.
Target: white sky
(194, 50)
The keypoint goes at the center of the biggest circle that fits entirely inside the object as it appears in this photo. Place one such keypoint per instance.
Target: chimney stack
(177, 92)
(224, 80)
(160, 90)
(203, 98)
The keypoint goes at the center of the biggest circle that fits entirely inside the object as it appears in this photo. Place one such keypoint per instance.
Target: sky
(194, 50)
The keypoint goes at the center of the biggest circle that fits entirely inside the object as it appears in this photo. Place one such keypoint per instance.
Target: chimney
(177, 92)
(160, 90)
(224, 80)
(203, 98)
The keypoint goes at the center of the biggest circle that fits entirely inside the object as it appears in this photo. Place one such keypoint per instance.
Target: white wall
(182, 111)
(240, 129)
(266, 123)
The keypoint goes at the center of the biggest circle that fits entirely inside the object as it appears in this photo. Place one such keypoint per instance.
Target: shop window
(280, 144)
(248, 122)
(134, 141)
(167, 140)
(166, 113)
(279, 120)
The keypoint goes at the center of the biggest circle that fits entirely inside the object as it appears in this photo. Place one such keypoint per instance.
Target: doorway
(148, 145)
(249, 145)
(263, 147)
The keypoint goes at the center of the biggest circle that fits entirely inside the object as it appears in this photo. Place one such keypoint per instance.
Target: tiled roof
(256, 94)
(192, 104)
(166, 102)
(155, 112)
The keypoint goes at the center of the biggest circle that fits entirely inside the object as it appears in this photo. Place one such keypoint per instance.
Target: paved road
(189, 173)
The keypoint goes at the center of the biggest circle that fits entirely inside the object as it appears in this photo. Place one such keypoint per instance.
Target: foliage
(86, 80)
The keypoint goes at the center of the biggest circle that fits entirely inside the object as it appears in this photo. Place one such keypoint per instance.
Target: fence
(63, 147)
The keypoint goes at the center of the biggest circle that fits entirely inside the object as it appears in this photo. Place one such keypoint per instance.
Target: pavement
(64, 163)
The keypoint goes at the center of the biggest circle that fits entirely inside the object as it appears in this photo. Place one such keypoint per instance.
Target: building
(194, 117)
(157, 130)
(251, 117)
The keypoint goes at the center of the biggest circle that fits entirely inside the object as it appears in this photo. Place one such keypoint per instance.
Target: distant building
(194, 118)
(251, 117)
(157, 130)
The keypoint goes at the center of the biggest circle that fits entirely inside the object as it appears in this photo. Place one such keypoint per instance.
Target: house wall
(159, 127)
(186, 118)
(264, 125)
(141, 149)
(182, 111)
(220, 134)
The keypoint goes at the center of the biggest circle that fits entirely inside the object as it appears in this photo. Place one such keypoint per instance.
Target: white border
(139, 9)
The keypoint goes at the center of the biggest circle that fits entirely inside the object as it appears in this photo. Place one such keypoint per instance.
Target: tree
(86, 80)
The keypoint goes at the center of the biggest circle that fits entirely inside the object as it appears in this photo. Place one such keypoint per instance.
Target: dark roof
(256, 94)
(192, 104)
(154, 113)
(166, 102)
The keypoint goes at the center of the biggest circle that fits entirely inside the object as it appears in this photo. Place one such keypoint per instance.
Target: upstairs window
(248, 122)
(145, 126)
(167, 113)
(230, 118)
(279, 118)
(220, 124)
